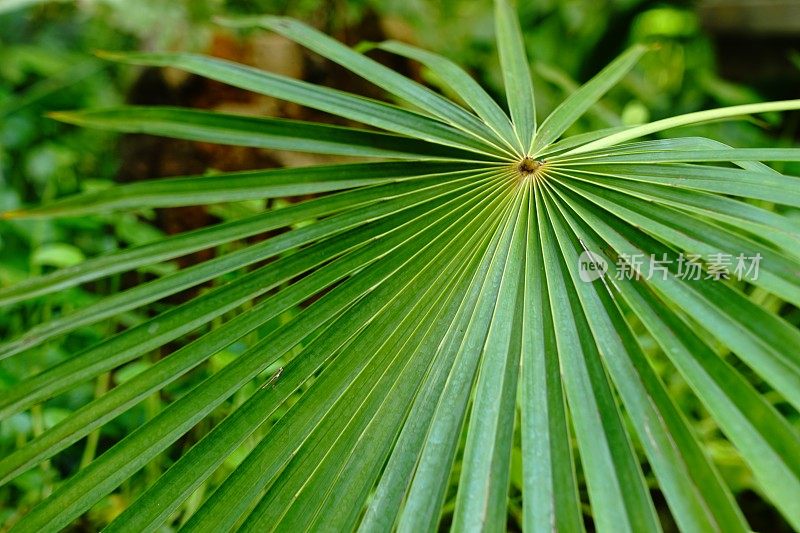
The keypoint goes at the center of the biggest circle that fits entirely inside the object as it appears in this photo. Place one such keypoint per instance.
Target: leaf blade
(240, 186)
(516, 73)
(464, 85)
(260, 132)
(412, 92)
(361, 109)
(584, 98)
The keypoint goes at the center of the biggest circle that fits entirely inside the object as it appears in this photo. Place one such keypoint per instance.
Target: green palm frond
(443, 320)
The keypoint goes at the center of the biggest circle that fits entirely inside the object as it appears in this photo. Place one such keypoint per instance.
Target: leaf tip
(14, 213)
(225, 21)
(367, 46)
(647, 48)
(63, 116)
(109, 55)
(244, 21)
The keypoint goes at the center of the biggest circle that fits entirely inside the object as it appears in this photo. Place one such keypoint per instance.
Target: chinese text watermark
(692, 267)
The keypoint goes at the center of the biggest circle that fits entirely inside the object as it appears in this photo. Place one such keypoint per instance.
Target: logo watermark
(591, 266)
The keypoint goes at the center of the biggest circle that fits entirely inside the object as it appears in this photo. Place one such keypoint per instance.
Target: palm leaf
(434, 298)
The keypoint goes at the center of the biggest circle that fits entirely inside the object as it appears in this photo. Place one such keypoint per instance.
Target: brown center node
(529, 166)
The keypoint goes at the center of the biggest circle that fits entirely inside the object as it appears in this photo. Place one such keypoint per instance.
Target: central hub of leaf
(529, 166)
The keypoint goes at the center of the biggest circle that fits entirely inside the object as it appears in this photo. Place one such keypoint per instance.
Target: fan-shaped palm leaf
(440, 298)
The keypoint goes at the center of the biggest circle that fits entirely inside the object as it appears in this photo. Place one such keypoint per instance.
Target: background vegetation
(46, 64)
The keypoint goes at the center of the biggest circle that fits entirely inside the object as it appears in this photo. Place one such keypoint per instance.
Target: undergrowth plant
(481, 284)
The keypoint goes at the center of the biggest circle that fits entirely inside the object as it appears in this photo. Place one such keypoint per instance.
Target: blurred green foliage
(46, 64)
